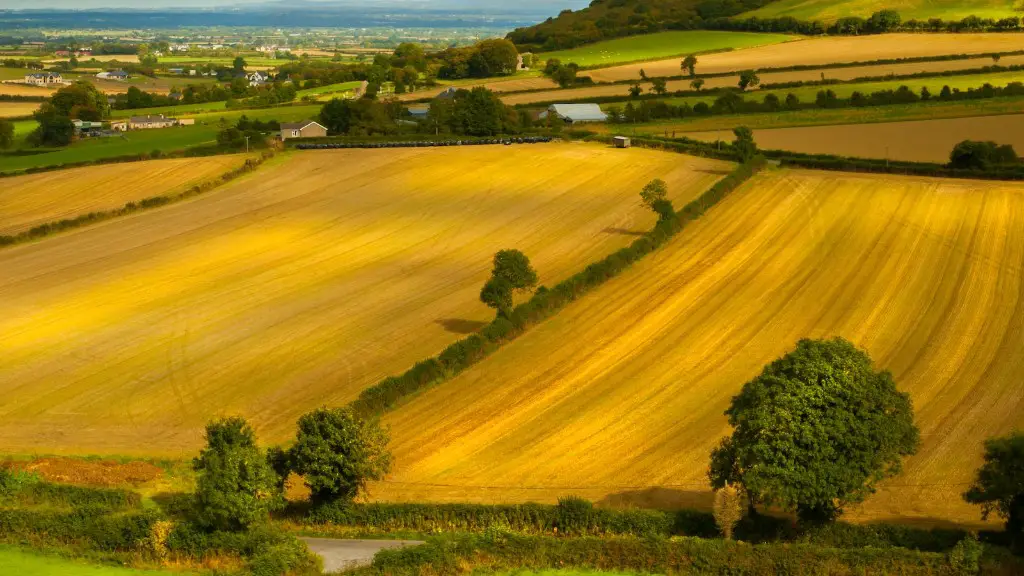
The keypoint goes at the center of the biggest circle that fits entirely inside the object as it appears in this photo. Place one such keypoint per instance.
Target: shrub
(965, 557)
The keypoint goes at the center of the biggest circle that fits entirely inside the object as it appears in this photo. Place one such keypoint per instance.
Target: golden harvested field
(824, 50)
(847, 73)
(294, 287)
(918, 141)
(620, 397)
(8, 89)
(33, 199)
(17, 109)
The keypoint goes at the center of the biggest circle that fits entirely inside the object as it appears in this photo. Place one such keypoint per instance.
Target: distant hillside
(605, 19)
(831, 10)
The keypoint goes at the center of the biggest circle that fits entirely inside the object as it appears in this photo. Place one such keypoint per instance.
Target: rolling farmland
(620, 397)
(294, 287)
(660, 45)
(33, 199)
(17, 109)
(830, 11)
(823, 51)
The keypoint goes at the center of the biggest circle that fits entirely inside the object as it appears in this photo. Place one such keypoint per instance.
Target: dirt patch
(90, 472)
(828, 50)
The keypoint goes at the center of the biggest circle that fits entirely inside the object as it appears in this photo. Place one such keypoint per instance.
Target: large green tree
(337, 453)
(81, 100)
(54, 128)
(816, 430)
(744, 144)
(689, 63)
(748, 79)
(512, 273)
(999, 486)
(6, 134)
(495, 57)
(236, 486)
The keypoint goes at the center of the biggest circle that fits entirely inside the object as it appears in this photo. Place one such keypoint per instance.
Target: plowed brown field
(620, 397)
(295, 287)
(30, 200)
(825, 50)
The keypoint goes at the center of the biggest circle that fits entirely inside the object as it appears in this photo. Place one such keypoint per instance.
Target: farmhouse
(257, 78)
(575, 113)
(306, 129)
(44, 78)
(114, 75)
(146, 123)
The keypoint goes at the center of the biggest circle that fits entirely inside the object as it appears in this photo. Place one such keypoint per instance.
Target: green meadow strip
(391, 391)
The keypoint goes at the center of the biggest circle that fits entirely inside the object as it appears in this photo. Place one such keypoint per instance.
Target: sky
(556, 5)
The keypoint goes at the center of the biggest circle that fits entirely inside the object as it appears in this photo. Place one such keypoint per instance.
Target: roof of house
(300, 125)
(419, 110)
(44, 74)
(577, 112)
(150, 119)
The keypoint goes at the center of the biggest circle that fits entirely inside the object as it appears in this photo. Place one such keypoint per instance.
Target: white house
(44, 78)
(575, 113)
(257, 78)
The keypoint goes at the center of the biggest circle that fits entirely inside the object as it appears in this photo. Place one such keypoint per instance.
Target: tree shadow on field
(623, 231)
(660, 499)
(711, 171)
(461, 326)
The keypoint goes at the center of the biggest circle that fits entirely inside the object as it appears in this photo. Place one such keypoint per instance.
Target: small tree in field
(744, 143)
(689, 63)
(635, 91)
(658, 86)
(748, 79)
(337, 453)
(728, 509)
(697, 84)
(653, 191)
(236, 487)
(512, 273)
(817, 429)
(999, 485)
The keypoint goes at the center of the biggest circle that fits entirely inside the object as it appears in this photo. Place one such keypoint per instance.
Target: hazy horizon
(555, 6)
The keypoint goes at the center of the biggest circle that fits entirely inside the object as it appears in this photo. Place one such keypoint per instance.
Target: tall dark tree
(337, 453)
(999, 486)
(816, 430)
(512, 272)
(6, 134)
(239, 64)
(748, 79)
(689, 63)
(54, 129)
(976, 155)
(744, 143)
(236, 486)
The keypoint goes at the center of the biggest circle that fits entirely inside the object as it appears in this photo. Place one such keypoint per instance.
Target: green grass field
(332, 89)
(166, 140)
(934, 85)
(13, 73)
(659, 45)
(15, 561)
(821, 117)
(831, 10)
(173, 111)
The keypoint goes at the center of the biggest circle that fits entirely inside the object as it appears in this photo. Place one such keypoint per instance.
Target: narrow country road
(345, 554)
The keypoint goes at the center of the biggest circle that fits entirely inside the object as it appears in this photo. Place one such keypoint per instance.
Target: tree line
(880, 22)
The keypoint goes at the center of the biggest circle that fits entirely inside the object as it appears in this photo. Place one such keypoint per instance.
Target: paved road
(345, 554)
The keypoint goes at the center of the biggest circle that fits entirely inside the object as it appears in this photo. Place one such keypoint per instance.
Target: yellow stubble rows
(620, 398)
(33, 199)
(293, 288)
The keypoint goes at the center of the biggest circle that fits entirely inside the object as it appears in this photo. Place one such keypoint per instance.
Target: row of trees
(879, 22)
(732, 102)
(238, 485)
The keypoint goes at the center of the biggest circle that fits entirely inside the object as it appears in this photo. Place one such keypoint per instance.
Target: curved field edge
(659, 45)
(30, 200)
(299, 287)
(620, 397)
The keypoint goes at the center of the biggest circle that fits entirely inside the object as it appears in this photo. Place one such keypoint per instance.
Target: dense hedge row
(544, 303)
(496, 550)
(49, 228)
(572, 517)
(86, 527)
(881, 166)
(19, 488)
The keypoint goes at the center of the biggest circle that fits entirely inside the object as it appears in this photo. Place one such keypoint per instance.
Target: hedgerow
(498, 550)
(545, 302)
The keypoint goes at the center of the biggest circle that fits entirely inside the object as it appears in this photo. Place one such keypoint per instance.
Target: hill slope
(297, 286)
(832, 10)
(606, 19)
(621, 396)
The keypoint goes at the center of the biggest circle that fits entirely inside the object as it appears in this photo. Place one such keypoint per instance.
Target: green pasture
(934, 85)
(821, 117)
(832, 10)
(659, 45)
(329, 89)
(23, 563)
(135, 142)
(13, 73)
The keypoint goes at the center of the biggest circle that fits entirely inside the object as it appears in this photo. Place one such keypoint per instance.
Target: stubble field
(824, 50)
(293, 287)
(620, 397)
(33, 199)
(17, 109)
